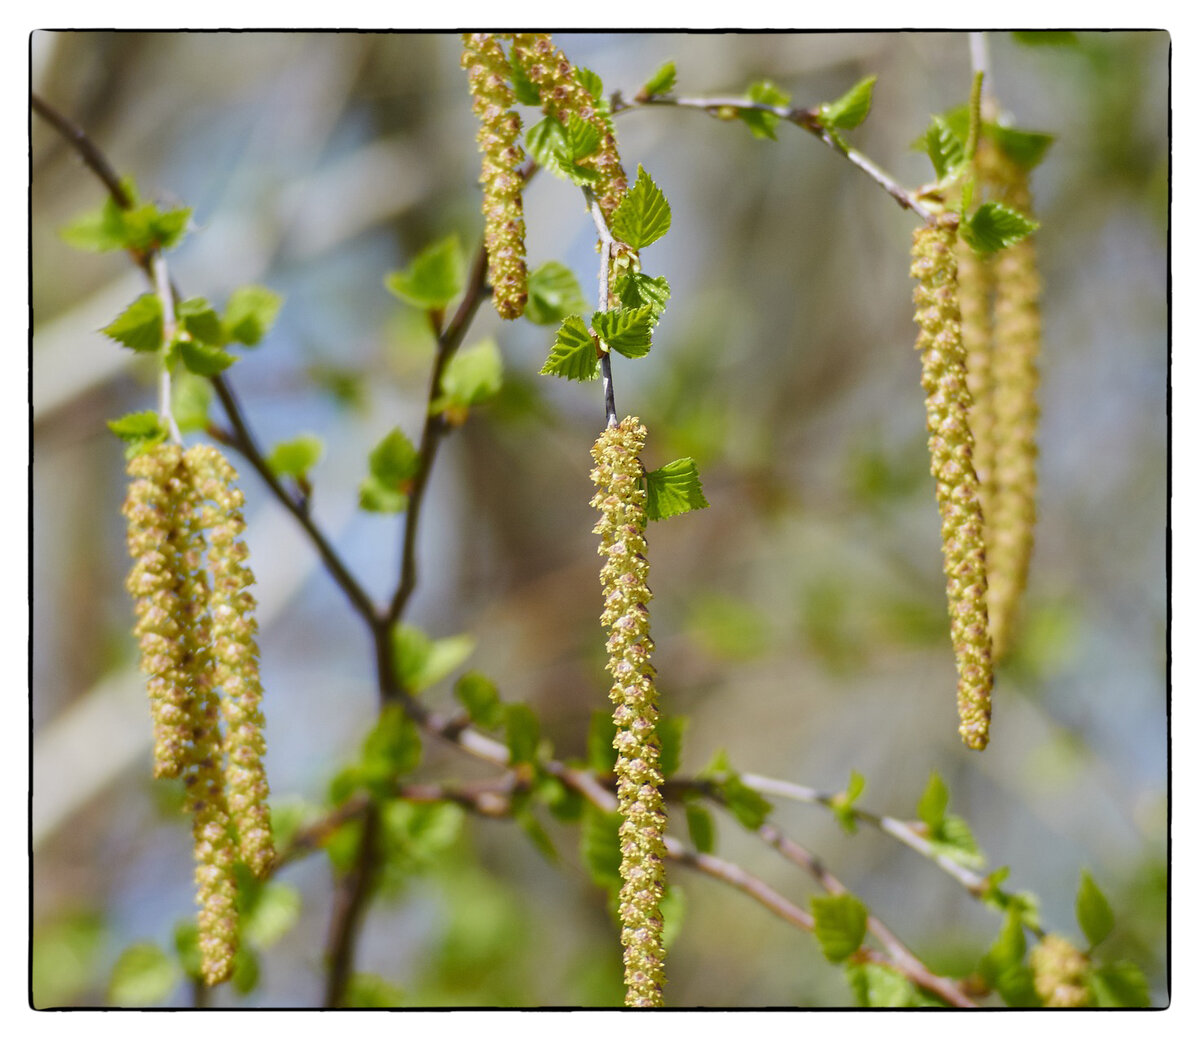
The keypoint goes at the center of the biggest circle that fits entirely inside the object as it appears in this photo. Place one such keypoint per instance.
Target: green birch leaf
(390, 750)
(590, 81)
(434, 278)
(877, 985)
(1119, 985)
(554, 294)
(626, 331)
(600, 846)
(662, 82)
(478, 694)
(546, 141)
(670, 730)
(376, 497)
(144, 975)
(931, 809)
(191, 396)
(851, 108)
(294, 458)
(521, 732)
(636, 289)
(643, 215)
(842, 803)
(249, 314)
(1003, 966)
(762, 124)
(473, 376)
(601, 755)
(140, 326)
(201, 359)
(581, 139)
(701, 828)
(573, 355)
(673, 490)
(993, 226)
(672, 908)
(392, 464)
(524, 88)
(140, 430)
(749, 807)
(1027, 148)
(201, 321)
(1092, 911)
(276, 912)
(146, 227)
(97, 231)
(840, 925)
(943, 146)
(955, 841)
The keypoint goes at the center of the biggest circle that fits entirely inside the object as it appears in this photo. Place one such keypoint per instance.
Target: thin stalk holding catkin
(947, 402)
(621, 500)
(499, 140)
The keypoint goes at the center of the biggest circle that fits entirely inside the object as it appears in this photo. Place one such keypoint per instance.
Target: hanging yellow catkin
(1011, 502)
(947, 401)
(621, 500)
(499, 140)
(235, 656)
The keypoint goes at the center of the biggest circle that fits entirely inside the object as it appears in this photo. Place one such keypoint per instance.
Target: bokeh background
(800, 620)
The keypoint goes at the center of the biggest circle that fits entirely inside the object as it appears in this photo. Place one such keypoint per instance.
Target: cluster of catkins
(197, 636)
(621, 500)
(980, 334)
(490, 71)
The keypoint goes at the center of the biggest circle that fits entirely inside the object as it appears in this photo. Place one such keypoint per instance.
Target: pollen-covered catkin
(621, 501)
(155, 511)
(499, 140)
(235, 656)
(1011, 502)
(947, 401)
(1060, 973)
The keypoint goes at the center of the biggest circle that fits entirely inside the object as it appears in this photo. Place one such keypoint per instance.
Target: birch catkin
(622, 525)
(947, 401)
(499, 140)
(1011, 503)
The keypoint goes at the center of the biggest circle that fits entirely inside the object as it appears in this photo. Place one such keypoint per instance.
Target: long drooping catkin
(499, 140)
(622, 525)
(1011, 502)
(947, 401)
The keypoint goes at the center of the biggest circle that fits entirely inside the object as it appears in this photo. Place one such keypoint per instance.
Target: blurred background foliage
(800, 620)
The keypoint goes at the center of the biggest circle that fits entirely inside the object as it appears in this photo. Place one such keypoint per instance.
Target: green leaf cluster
(295, 457)
(674, 489)
(749, 807)
(434, 278)
(993, 226)
(840, 925)
(141, 228)
(762, 124)
(420, 661)
(391, 467)
(472, 377)
(140, 431)
(662, 82)
(562, 148)
(950, 835)
(1003, 967)
(850, 109)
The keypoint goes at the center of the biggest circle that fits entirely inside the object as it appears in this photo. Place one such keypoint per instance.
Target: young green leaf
(749, 807)
(662, 82)
(590, 81)
(842, 804)
(625, 331)
(250, 313)
(994, 226)
(140, 430)
(392, 464)
(190, 397)
(701, 828)
(97, 231)
(644, 215)
(143, 975)
(524, 88)
(546, 140)
(478, 694)
(581, 140)
(573, 355)
(673, 490)
(943, 146)
(296, 457)
(670, 731)
(1092, 911)
(472, 376)
(420, 662)
(931, 809)
(851, 108)
(554, 294)
(672, 907)
(275, 912)
(201, 359)
(140, 326)
(1027, 148)
(762, 124)
(532, 828)
(390, 750)
(840, 925)
(601, 755)
(434, 278)
(1003, 967)
(877, 985)
(521, 732)
(600, 846)
(200, 321)
(1119, 985)
(955, 841)
(636, 289)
